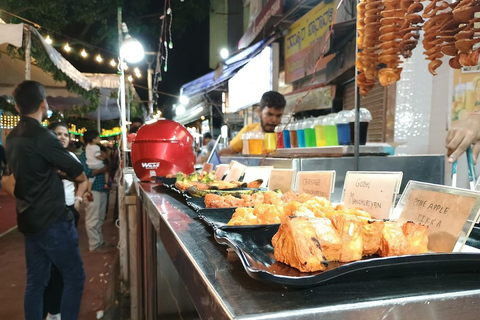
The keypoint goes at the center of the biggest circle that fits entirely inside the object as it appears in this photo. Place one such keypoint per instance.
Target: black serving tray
(254, 248)
(196, 204)
(164, 180)
(216, 217)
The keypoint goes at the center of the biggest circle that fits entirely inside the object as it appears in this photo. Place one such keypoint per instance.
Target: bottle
(310, 140)
(301, 134)
(365, 118)
(320, 132)
(286, 137)
(293, 135)
(279, 133)
(342, 121)
(331, 136)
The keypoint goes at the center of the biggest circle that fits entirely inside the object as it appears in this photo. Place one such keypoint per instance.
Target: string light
(99, 58)
(130, 78)
(137, 72)
(113, 63)
(67, 48)
(84, 53)
(48, 40)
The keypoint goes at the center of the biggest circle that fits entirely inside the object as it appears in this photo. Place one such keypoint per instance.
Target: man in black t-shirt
(34, 155)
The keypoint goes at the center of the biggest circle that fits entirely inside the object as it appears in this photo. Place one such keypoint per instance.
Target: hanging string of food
(389, 30)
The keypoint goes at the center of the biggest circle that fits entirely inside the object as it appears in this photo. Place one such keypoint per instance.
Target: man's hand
(461, 136)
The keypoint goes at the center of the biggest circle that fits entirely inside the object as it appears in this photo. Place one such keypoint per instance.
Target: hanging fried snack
(417, 237)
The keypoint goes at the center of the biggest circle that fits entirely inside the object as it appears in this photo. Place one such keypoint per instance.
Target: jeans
(57, 245)
(94, 217)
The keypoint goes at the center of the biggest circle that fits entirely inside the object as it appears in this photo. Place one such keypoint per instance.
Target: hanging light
(131, 50)
(84, 53)
(48, 40)
(67, 48)
(137, 72)
(99, 58)
(130, 78)
(224, 53)
(113, 63)
(184, 100)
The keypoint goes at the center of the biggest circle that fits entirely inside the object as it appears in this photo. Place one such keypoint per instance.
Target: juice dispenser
(301, 134)
(331, 136)
(343, 120)
(161, 148)
(320, 132)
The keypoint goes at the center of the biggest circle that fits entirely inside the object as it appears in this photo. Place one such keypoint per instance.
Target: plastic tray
(254, 248)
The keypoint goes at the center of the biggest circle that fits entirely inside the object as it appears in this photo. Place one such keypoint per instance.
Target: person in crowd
(208, 144)
(463, 134)
(96, 207)
(34, 155)
(96, 158)
(135, 125)
(52, 297)
(3, 160)
(270, 112)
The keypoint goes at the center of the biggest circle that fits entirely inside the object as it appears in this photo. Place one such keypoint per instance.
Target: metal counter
(424, 168)
(220, 288)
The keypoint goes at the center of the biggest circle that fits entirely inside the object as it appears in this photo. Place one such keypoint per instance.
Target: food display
(206, 181)
(310, 243)
(389, 30)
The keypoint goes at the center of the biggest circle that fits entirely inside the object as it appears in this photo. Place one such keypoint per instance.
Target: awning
(197, 107)
(230, 66)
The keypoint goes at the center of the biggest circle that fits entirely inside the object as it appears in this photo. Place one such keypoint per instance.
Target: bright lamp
(132, 50)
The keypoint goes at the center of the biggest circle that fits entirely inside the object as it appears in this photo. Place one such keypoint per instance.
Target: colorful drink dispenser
(343, 120)
(301, 134)
(293, 135)
(310, 140)
(320, 132)
(331, 136)
(279, 133)
(255, 143)
(270, 142)
(365, 118)
(286, 136)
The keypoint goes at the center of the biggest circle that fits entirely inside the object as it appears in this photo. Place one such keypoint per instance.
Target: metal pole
(150, 90)
(28, 48)
(98, 117)
(356, 140)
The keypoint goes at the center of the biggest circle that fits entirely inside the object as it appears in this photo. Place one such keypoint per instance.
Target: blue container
(301, 138)
(343, 131)
(286, 139)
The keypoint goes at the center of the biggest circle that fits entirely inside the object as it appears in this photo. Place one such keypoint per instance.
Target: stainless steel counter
(220, 288)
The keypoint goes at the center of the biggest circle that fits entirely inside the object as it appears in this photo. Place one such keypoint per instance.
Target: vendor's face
(270, 118)
(62, 134)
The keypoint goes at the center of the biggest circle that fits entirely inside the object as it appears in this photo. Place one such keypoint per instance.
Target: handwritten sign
(281, 179)
(373, 192)
(317, 183)
(444, 214)
(221, 170)
(254, 173)
(236, 171)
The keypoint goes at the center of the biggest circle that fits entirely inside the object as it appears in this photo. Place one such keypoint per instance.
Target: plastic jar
(293, 134)
(309, 128)
(365, 118)
(245, 138)
(320, 132)
(279, 133)
(255, 143)
(330, 126)
(301, 134)
(343, 120)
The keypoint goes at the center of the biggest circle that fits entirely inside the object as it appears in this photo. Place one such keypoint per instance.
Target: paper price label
(444, 214)
(254, 173)
(373, 192)
(281, 179)
(317, 183)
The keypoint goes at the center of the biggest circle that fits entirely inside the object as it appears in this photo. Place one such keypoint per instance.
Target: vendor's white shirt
(69, 187)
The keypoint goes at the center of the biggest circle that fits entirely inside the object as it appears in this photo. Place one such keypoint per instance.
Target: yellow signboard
(305, 41)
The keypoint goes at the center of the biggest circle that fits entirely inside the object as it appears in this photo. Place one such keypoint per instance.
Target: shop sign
(317, 183)
(448, 212)
(270, 9)
(372, 191)
(306, 40)
(282, 179)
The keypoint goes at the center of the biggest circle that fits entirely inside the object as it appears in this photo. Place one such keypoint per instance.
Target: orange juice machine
(162, 148)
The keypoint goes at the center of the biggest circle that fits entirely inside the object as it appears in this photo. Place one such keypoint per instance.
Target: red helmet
(161, 148)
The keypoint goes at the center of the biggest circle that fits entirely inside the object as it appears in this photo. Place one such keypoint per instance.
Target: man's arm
(227, 151)
(52, 150)
(9, 185)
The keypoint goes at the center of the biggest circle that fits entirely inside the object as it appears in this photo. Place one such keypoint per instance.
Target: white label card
(374, 192)
(254, 173)
(282, 179)
(236, 171)
(317, 183)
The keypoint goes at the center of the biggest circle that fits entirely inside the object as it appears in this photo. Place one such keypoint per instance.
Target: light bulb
(170, 45)
(113, 63)
(130, 78)
(99, 58)
(48, 40)
(67, 48)
(224, 53)
(84, 53)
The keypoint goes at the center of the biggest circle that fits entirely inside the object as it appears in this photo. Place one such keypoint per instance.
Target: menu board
(448, 212)
(317, 183)
(282, 179)
(374, 191)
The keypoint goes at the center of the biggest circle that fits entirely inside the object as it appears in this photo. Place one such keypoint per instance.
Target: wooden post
(134, 254)
(124, 256)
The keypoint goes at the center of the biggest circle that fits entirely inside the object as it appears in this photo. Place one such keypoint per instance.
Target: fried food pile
(389, 30)
(206, 181)
(310, 243)
(249, 200)
(274, 209)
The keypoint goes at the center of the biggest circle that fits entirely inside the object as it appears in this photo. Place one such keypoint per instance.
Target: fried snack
(243, 216)
(417, 237)
(393, 241)
(350, 229)
(255, 184)
(296, 243)
(372, 235)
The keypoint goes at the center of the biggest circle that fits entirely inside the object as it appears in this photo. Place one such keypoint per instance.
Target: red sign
(270, 9)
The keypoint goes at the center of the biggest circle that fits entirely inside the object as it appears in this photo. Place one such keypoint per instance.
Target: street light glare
(224, 53)
(179, 110)
(184, 100)
(132, 50)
